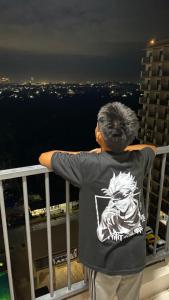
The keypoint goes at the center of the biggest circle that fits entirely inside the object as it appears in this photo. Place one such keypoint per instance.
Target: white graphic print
(118, 212)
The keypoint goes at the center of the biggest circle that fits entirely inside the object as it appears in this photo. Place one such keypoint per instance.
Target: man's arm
(45, 158)
(140, 147)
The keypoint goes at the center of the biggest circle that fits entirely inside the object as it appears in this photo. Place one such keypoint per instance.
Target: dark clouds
(74, 39)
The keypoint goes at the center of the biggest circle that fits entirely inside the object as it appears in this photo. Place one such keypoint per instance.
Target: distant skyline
(78, 40)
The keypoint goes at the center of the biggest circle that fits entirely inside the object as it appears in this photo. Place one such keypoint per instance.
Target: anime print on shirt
(119, 211)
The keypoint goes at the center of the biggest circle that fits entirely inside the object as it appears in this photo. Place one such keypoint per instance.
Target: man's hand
(97, 150)
(140, 147)
(45, 159)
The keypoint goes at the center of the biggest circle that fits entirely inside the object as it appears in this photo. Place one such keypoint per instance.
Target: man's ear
(99, 138)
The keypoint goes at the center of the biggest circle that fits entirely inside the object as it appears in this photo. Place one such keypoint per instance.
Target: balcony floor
(82, 296)
(155, 285)
(85, 296)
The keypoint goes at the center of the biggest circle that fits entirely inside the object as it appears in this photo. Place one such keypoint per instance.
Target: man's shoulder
(89, 157)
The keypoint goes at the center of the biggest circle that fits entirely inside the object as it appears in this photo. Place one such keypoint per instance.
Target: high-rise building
(154, 114)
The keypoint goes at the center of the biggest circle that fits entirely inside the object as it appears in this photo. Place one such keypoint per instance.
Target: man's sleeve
(149, 156)
(68, 166)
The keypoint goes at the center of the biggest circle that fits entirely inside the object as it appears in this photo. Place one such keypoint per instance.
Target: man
(111, 214)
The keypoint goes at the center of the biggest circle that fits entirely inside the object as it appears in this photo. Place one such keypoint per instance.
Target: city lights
(27, 91)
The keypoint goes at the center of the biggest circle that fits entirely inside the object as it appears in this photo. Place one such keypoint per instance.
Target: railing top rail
(38, 169)
(163, 150)
(24, 171)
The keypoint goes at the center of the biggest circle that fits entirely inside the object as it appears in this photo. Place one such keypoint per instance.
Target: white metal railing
(75, 288)
(24, 173)
(158, 255)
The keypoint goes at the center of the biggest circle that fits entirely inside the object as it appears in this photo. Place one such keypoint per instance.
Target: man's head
(117, 126)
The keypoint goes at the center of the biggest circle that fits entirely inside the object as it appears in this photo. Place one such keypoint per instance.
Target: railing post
(167, 235)
(6, 242)
(159, 201)
(70, 289)
(28, 236)
(148, 194)
(85, 275)
(49, 237)
(68, 234)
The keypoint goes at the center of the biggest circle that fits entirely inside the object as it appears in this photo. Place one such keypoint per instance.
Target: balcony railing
(143, 100)
(147, 60)
(145, 87)
(71, 288)
(157, 58)
(23, 173)
(166, 57)
(145, 74)
(156, 73)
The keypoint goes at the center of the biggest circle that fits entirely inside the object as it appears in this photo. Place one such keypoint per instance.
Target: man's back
(111, 217)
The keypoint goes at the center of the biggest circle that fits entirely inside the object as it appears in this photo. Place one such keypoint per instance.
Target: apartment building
(154, 120)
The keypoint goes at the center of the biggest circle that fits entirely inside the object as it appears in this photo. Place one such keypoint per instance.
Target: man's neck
(105, 148)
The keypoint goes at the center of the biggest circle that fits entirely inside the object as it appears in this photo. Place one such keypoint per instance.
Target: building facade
(154, 118)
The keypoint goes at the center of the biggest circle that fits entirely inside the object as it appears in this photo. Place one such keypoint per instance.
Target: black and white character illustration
(118, 212)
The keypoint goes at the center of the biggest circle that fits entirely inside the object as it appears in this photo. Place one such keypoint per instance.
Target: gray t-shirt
(111, 211)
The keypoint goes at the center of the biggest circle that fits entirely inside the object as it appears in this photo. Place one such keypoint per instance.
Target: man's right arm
(141, 147)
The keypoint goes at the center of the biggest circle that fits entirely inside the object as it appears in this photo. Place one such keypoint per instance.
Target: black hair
(118, 124)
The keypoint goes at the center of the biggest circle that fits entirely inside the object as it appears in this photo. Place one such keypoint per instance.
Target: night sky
(78, 40)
